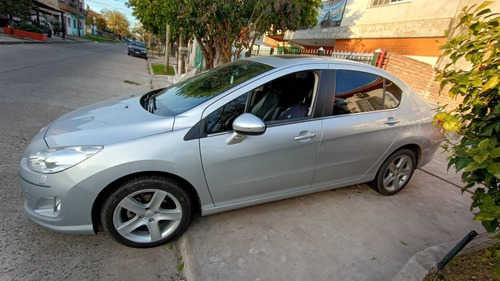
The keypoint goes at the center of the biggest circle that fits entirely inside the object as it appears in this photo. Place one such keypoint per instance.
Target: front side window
(285, 98)
(357, 92)
(187, 94)
(222, 119)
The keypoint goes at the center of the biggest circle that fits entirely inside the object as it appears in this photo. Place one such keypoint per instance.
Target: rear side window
(357, 92)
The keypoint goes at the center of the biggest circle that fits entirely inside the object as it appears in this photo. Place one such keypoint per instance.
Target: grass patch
(471, 266)
(100, 39)
(159, 69)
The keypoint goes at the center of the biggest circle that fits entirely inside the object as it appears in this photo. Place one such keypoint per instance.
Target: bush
(29, 27)
(477, 119)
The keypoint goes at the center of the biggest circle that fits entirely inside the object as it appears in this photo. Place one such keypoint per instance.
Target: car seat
(267, 108)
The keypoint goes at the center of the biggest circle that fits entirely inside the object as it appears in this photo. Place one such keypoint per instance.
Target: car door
(359, 127)
(279, 161)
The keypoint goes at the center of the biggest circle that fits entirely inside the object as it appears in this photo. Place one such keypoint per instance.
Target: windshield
(187, 94)
(138, 44)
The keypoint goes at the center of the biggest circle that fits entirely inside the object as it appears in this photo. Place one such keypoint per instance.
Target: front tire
(146, 212)
(395, 172)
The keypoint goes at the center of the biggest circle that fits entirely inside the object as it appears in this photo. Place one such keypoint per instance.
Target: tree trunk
(182, 52)
(167, 48)
(249, 52)
(207, 51)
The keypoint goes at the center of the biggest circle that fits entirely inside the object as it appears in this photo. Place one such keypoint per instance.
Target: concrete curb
(152, 80)
(422, 262)
(36, 42)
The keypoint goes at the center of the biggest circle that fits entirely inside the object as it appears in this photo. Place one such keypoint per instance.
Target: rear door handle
(391, 121)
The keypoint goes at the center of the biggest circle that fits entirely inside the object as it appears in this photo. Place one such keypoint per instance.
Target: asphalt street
(38, 83)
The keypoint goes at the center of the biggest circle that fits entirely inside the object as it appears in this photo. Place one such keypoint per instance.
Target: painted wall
(73, 30)
(359, 12)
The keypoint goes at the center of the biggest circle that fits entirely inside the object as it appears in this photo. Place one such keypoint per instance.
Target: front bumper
(54, 201)
(138, 53)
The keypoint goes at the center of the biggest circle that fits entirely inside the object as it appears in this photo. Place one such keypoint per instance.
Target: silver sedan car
(249, 132)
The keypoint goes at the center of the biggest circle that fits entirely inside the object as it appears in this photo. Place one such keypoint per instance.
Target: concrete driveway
(345, 234)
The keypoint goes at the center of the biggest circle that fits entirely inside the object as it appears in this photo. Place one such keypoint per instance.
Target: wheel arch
(101, 197)
(416, 149)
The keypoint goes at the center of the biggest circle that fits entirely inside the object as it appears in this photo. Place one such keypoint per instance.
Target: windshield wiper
(150, 103)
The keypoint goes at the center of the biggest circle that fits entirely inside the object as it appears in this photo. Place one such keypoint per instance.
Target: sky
(98, 5)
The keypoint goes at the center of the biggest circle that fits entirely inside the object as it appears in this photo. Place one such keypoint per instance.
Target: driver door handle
(391, 121)
(305, 136)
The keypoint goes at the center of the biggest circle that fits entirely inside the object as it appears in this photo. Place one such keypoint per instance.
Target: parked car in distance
(137, 49)
(249, 132)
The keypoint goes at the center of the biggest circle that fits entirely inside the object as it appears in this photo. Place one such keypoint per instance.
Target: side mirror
(249, 124)
(246, 124)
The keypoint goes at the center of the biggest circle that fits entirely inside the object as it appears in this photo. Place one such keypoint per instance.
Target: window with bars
(386, 2)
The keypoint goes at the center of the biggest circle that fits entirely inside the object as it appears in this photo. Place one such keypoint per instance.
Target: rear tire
(395, 172)
(146, 212)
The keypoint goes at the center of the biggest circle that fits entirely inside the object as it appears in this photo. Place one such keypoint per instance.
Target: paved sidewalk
(10, 39)
(161, 81)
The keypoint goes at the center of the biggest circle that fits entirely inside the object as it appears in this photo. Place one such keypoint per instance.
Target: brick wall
(421, 77)
(429, 47)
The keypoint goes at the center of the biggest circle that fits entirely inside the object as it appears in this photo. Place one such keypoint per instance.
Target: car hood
(107, 122)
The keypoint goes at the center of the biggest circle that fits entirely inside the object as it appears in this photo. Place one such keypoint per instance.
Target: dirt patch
(477, 265)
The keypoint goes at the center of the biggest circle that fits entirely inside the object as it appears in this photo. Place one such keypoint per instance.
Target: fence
(367, 58)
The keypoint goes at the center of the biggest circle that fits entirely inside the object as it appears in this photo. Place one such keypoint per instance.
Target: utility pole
(167, 48)
(78, 16)
(179, 53)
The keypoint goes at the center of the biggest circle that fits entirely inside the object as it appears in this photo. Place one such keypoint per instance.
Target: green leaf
(492, 82)
(485, 11)
(472, 166)
(462, 162)
(494, 169)
(477, 82)
(473, 151)
(495, 153)
(496, 110)
(490, 226)
(482, 6)
(484, 144)
(488, 132)
(480, 158)
(180, 267)
(488, 211)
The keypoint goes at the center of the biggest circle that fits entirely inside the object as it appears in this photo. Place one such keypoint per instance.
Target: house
(414, 28)
(73, 9)
(63, 14)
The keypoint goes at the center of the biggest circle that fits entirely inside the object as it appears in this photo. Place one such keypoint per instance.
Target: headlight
(58, 159)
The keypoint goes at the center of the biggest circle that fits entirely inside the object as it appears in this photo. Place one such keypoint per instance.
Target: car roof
(291, 60)
(284, 61)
